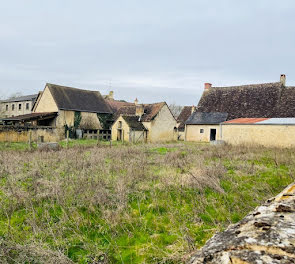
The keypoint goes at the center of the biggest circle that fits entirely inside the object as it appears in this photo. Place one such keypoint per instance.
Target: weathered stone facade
(201, 133)
(265, 135)
(267, 235)
(17, 106)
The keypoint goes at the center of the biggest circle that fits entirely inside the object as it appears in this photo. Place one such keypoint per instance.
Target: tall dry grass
(79, 204)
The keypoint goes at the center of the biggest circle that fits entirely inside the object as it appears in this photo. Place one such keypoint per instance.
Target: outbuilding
(129, 129)
(269, 132)
(204, 127)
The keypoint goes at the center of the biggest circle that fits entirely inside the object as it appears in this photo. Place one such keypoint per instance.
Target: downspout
(220, 131)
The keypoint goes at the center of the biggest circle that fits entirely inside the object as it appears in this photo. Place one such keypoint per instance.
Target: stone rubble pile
(267, 235)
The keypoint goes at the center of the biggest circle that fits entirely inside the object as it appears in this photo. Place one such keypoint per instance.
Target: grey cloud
(158, 50)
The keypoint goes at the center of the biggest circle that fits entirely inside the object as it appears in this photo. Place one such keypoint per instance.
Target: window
(6, 107)
(201, 130)
(19, 106)
(12, 107)
(27, 106)
(120, 124)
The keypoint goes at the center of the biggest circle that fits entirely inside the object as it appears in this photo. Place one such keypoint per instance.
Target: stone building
(204, 127)
(17, 106)
(65, 109)
(269, 132)
(149, 123)
(129, 129)
(267, 100)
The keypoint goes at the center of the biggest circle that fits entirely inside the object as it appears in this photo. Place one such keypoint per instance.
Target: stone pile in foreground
(267, 235)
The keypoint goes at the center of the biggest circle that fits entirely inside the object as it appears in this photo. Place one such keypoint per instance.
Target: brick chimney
(136, 101)
(208, 86)
(139, 110)
(283, 79)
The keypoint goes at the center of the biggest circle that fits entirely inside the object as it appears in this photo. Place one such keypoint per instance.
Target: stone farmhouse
(21, 105)
(75, 108)
(144, 123)
(206, 124)
(267, 100)
(60, 112)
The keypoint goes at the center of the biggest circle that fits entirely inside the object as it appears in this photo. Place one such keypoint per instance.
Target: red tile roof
(245, 120)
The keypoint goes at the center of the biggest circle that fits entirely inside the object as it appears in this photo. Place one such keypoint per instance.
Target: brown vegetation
(149, 203)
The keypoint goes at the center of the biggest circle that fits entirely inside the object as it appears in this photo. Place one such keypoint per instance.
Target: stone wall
(267, 235)
(13, 108)
(192, 132)
(22, 134)
(266, 135)
(162, 127)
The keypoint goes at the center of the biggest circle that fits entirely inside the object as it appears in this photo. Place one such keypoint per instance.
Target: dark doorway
(212, 134)
(119, 135)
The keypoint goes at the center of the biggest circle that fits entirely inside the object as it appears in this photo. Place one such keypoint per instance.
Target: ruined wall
(266, 135)
(192, 132)
(21, 134)
(162, 127)
(267, 235)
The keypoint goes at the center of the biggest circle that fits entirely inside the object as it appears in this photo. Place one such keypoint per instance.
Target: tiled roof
(183, 117)
(116, 104)
(245, 120)
(262, 121)
(69, 98)
(150, 111)
(198, 118)
(31, 116)
(21, 98)
(266, 100)
(134, 123)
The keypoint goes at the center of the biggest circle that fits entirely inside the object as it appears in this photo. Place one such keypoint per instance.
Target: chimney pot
(283, 79)
(208, 86)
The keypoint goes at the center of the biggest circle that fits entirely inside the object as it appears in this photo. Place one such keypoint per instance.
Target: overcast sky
(156, 50)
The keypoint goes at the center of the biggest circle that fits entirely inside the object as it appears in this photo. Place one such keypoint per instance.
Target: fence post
(98, 137)
(30, 139)
(68, 134)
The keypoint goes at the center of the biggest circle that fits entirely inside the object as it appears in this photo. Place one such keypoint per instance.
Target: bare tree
(175, 109)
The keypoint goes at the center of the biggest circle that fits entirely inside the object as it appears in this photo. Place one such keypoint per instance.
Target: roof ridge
(69, 87)
(246, 85)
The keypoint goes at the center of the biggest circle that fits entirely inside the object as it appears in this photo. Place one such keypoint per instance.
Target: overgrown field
(129, 204)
